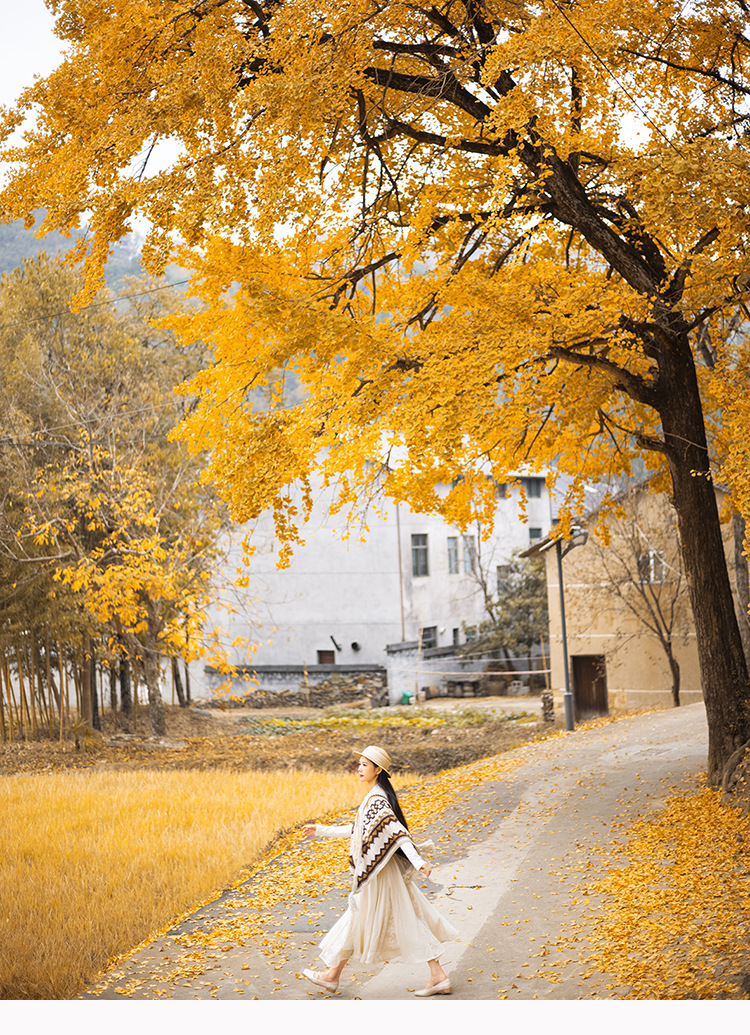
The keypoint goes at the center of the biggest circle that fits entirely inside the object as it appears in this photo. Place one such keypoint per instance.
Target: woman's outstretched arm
(318, 830)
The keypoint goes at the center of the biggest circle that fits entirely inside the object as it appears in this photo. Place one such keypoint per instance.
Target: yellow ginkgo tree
(141, 572)
(473, 234)
(100, 507)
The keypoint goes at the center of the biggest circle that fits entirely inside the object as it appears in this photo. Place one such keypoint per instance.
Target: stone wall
(370, 688)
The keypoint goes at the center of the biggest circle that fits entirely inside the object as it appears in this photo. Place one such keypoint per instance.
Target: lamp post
(578, 538)
(568, 695)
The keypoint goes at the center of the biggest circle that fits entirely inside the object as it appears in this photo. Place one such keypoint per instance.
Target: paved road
(511, 855)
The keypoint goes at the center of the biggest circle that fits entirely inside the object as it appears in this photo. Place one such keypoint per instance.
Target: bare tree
(516, 611)
(640, 563)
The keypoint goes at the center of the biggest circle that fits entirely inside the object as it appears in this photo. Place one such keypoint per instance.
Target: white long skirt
(389, 920)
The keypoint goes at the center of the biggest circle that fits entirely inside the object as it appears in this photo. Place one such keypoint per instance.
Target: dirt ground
(201, 738)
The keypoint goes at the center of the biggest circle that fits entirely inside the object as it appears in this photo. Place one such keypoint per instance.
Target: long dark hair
(387, 788)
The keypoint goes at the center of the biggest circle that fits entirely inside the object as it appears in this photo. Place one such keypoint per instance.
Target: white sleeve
(323, 831)
(412, 854)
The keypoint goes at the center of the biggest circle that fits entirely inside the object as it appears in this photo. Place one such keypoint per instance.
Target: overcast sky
(28, 47)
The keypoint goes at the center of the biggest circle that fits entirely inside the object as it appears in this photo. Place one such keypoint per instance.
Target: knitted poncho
(376, 836)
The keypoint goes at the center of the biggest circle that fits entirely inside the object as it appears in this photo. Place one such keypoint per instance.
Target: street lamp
(578, 537)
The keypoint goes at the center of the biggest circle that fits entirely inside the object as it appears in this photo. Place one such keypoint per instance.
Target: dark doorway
(590, 685)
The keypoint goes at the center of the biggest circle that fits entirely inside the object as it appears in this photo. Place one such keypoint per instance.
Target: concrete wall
(410, 670)
(355, 586)
(285, 677)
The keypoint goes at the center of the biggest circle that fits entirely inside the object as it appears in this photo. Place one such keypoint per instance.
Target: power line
(94, 305)
(614, 78)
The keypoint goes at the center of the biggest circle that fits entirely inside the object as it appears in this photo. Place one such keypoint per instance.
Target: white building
(343, 600)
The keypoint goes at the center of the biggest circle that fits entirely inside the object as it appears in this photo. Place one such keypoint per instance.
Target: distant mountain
(17, 244)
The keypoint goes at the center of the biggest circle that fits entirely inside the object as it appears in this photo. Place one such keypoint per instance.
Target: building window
(419, 565)
(456, 637)
(452, 555)
(501, 489)
(429, 637)
(326, 657)
(651, 567)
(533, 487)
(503, 574)
(535, 533)
(470, 553)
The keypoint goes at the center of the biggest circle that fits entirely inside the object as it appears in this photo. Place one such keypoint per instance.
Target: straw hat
(379, 756)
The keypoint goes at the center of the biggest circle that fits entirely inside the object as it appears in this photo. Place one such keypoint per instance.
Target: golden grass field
(92, 863)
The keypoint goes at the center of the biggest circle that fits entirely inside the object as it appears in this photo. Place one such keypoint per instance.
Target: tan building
(630, 634)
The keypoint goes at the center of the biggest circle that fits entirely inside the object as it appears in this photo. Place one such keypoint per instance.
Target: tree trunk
(9, 689)
(742, 581)
(96, 719)
(29, 660)
(178, 683)
(51, 685)
(156, 716)
(112, 688)
(2, 709)
(187, 666)
(87, 707)
(722, 659)
(22, 702)
(126, 695)
(674, 668)
(63, 688)
(44, 693)
(77, 679)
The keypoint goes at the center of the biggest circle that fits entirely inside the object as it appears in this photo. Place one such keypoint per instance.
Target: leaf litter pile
(669, 905)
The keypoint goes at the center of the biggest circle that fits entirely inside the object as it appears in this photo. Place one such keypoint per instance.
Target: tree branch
(708, 73)
(674, 291)
(636, 387)
(445, 88)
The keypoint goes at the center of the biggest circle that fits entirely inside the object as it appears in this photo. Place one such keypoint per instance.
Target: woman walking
(388, 918)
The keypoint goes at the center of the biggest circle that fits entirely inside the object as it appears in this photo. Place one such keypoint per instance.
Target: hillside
(17, 243)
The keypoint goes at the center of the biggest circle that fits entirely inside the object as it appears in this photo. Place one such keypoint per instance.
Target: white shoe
(314, 976)
(441, 988)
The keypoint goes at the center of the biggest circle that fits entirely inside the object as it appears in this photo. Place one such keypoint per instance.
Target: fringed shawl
(376, 836)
